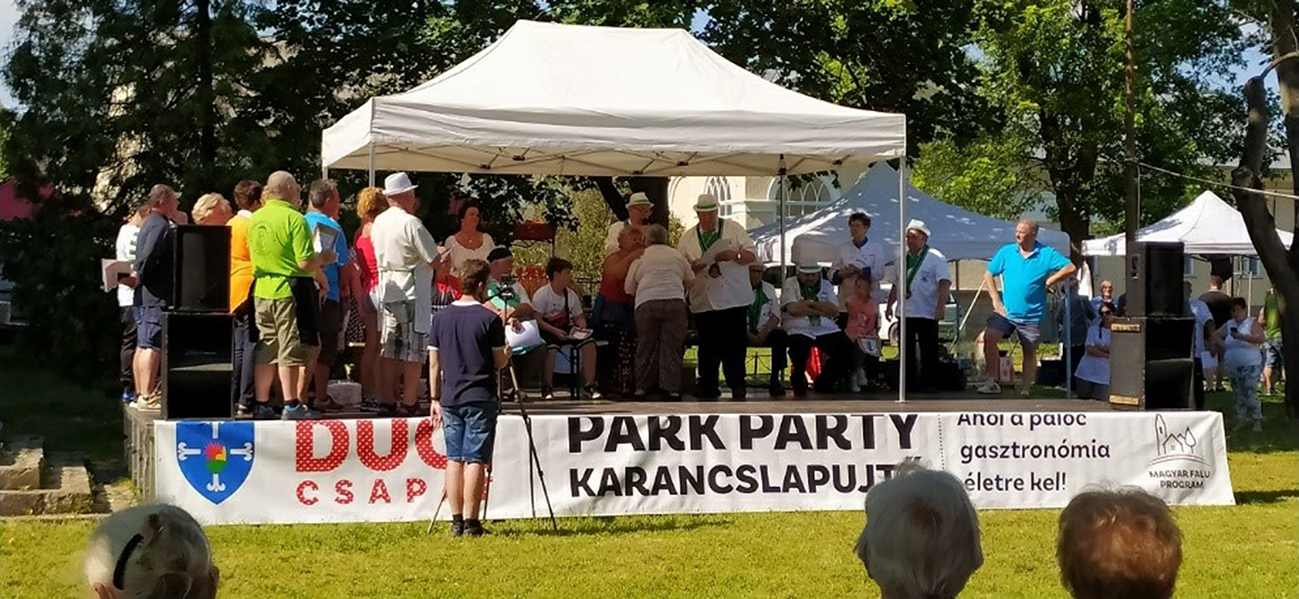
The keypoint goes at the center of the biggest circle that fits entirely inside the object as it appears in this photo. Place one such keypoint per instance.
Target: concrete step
(64, 489)
(20, 464)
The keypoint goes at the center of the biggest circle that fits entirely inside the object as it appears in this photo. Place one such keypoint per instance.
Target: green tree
(886, 55)
(1054, 70)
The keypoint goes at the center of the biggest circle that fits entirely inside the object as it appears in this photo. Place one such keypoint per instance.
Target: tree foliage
(1054, 73)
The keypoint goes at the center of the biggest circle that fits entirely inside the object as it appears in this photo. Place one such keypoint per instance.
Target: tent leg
(780, 217)
(902, 277)
(371, 164)
(1068, 342)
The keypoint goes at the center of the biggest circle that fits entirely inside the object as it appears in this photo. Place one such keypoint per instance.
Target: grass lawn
(1250, 550)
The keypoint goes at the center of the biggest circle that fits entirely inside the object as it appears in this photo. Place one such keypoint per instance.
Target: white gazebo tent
(1207, 226)
(957, 232)
(552, 99)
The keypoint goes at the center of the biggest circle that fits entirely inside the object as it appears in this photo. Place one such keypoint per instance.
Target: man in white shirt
(1201, 338)
(764, 327)
(719, 252)
(559, 314)
(859, 257)
(808, 306)
(927, 286)
(639, 209)
(405, 253)
(126, 238)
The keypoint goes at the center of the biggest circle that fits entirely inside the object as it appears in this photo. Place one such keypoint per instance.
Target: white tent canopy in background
(553, 99)
(957, 233)
(1207, 226)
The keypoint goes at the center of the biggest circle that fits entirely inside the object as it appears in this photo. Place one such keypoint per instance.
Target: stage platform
(762, 403)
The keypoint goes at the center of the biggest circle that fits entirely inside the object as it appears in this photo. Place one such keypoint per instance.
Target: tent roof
(1207, 226)
(578, 100)
(958, 233)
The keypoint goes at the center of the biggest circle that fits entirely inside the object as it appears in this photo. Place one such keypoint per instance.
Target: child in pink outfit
(864, 330)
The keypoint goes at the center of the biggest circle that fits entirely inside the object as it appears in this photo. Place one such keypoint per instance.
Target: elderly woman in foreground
(150, 551)
(921, 539)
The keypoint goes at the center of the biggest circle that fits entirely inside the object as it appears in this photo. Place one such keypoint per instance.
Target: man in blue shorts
(466, 351)
(1026, 268)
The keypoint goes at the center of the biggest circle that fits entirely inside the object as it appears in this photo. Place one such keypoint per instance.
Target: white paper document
(523, 340)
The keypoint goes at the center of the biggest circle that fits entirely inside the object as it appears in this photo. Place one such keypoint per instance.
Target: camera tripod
(534, 461)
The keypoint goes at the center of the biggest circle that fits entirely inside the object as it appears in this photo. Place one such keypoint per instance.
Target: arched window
(720, 189)
(803, 196)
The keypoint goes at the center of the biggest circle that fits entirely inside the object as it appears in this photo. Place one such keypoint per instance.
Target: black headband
(119, 571)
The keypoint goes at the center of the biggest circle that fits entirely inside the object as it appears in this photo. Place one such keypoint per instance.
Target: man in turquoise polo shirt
(1026, 268)
(284, 294)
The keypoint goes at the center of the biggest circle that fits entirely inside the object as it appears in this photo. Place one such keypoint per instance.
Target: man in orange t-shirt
(248, 197)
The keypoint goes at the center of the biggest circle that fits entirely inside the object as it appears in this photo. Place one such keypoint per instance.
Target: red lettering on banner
(343, 492)
(366, 450)
(306, 484)
(306, 446)
(380, 490)
(424, 445)
(415, 487)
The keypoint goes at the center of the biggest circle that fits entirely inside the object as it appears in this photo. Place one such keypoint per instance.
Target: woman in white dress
(469, 243)
(1242, 338)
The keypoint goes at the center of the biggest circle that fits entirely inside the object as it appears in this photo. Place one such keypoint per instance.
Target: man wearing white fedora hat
(719, 252)
(639, 208)
(405, 253)
(926, 288)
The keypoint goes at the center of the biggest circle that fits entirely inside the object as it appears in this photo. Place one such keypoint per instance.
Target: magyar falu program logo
(1178, 463)
(215, 457)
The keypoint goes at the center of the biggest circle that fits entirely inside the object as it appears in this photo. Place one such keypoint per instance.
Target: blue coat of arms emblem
(215, 457)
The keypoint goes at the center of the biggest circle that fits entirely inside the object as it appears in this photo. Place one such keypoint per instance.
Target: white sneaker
(989, 387)
(149, 403)
(1258, 425)
(861, 378)
(853, 384)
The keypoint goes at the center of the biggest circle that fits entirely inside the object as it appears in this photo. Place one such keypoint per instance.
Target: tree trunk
(1259, 222)
(206, 95)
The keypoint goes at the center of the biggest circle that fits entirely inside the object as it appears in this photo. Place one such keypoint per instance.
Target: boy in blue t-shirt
(1027, 268)
(466, 350)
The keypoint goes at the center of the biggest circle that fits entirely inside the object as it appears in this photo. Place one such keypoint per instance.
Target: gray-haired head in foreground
(171, 558)
(656, 234)
(922, 535)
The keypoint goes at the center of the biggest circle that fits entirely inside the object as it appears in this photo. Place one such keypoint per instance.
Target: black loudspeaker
(202, 263)
(196, 365)
(1154, 280)
(1150, 363)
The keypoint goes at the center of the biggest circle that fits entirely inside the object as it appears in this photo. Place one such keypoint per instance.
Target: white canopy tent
(958, 233)
(575, 100)
(1207, 226)
(553, 99)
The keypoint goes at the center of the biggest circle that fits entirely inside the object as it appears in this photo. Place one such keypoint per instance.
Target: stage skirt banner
(393, 470)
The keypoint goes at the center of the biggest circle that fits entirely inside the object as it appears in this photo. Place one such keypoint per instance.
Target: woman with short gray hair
(151, 551)
(922, 535)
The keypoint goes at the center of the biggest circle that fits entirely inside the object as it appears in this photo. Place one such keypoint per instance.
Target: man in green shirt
(284, 294)
(1273, 362)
